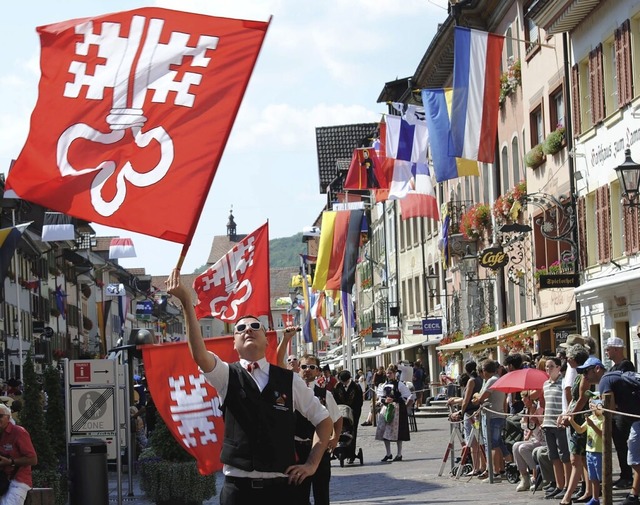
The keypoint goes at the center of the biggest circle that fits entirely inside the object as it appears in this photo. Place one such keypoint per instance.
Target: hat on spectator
(614, 342)
(344, 376)
(592, 361)
(4, 409)
(6, 400)
(572, 339)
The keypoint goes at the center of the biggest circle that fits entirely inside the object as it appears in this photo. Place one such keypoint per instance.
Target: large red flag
(188, 405)
(135, 109)
(238, 283)
(367, 170)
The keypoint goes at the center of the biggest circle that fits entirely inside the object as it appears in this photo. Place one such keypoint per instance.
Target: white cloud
(283, 126)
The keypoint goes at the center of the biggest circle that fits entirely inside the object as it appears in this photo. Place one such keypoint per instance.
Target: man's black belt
(256, 483)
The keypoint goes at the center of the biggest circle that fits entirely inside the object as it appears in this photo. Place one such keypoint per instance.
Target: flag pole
(183, 255)
(18, 318)
(269, 315)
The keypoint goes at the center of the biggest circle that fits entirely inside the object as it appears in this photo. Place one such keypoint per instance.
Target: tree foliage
(54, 416)
(283, 252)
(32, 418)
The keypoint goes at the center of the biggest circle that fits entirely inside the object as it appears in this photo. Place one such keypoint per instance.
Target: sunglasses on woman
(310, 367)
(244, 326)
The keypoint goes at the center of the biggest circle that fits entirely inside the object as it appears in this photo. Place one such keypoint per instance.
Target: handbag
(389, 412)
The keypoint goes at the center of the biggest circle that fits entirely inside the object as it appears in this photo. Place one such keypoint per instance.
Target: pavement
(414, 480)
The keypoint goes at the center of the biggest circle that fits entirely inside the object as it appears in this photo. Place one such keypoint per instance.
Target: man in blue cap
(625, 396)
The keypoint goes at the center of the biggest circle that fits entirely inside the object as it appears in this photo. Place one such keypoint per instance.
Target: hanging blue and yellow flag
(9, 240)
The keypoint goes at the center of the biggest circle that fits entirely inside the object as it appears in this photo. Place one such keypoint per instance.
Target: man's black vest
(259, 427)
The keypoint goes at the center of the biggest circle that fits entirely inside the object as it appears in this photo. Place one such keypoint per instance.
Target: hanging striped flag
(476, 91)
(319, 312)
(9, 240)
(309, 330)
(420, 201)
(121, 248)
(57, 226)
(405, 141)
(437, 105)
(338, 250)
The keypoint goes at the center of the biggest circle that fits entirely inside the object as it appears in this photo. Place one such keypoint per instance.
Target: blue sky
(322, 64)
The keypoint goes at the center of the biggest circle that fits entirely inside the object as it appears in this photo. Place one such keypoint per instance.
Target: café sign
(493, 258)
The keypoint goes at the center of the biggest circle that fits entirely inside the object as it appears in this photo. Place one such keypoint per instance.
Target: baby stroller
(346, 436)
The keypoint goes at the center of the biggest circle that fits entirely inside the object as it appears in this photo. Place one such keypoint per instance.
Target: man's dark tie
(252, 366)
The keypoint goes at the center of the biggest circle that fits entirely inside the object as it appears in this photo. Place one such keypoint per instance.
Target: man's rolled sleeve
(218, 377)
(305, 402)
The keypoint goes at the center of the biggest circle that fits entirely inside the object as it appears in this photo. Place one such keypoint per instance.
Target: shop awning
(492, 337)
(378, 352)
(590, 289)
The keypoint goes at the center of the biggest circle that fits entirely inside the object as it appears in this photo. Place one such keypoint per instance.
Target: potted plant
(534, 157)
(164, 463)
(87, 323)
(554, 141)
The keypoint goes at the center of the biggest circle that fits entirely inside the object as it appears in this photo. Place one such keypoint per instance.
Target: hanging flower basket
(87, 323)
(476, 221)
(535, 157)
(510, 80)
(508, 207)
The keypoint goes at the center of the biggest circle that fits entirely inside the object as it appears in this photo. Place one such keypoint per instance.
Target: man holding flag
(259, 402)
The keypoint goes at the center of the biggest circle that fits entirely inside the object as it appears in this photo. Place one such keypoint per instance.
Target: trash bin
(88, 475)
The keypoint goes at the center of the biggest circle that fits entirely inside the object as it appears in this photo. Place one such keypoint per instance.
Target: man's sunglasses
(310, 367)
(244, 326)
(289, 360)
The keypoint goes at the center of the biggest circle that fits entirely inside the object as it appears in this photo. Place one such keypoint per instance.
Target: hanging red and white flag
(121, 248)
(189, 406)
(135, 108)
(238, 283)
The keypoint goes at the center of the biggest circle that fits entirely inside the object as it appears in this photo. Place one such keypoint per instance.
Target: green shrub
(164, 463)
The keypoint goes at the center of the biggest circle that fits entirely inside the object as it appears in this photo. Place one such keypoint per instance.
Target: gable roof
(221, 245)
(335, 145)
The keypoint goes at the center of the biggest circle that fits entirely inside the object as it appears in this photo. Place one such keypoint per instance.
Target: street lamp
(432, 280)
(469, 262)
(629, 176)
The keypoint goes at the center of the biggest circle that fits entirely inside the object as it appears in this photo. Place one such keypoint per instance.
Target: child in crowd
(593, 427)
